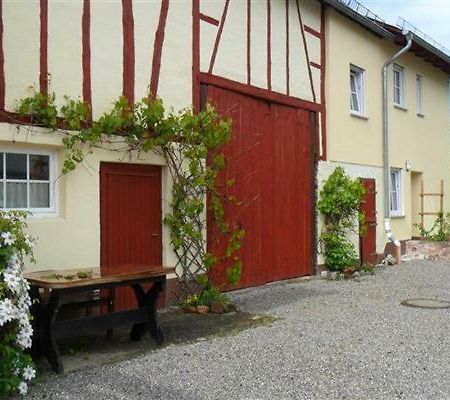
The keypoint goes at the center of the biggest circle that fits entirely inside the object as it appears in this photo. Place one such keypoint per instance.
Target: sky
(430, 16)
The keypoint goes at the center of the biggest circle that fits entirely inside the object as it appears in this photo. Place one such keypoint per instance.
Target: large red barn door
(130, 220)
(270, 160)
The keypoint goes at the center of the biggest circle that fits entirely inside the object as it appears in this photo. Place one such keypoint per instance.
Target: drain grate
(426, 303)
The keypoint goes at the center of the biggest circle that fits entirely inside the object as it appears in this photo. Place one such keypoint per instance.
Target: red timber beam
(128, 50)
(157, 47)
(259, 93)
(209, 20)
(249, 24)
(313, 32)
(218, 36)
(2, 61)
(323, 119)
(269, 46)
(306, 50)
(86, 52)
(43, 47)
(287, 46)
(196, 55)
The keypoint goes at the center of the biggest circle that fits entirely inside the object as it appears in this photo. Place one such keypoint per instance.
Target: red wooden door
(130, 221)
(367, 243)
(270, 160)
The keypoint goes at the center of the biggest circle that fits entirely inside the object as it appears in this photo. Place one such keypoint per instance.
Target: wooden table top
(79, 277)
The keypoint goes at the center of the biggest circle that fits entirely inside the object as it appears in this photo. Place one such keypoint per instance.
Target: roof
(425, 49)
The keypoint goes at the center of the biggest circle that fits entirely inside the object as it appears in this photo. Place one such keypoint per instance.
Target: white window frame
(401, 86)
(419, 95)
(358, 74)
(53, 184)
(396, 187)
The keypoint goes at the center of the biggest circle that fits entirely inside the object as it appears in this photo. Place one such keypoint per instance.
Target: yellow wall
(358, 141)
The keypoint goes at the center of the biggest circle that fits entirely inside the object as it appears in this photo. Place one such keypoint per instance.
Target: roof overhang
(420, 47)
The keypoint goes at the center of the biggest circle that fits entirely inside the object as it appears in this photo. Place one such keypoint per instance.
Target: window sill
(397, 216)
(420, 115)
(400, 107)
(360, 116)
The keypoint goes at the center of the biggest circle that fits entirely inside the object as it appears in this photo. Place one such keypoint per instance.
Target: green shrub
(338, 251)
(339, 202)
(439, 232)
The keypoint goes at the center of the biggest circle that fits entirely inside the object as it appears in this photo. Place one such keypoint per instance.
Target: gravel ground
(334, 340)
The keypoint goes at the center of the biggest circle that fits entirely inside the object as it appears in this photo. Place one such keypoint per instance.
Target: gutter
(366, 22)
(386, 166)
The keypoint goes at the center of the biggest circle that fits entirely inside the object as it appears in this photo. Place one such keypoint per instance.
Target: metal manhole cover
(426, 303)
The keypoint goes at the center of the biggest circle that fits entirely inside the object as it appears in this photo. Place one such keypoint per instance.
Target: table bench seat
(48, 328)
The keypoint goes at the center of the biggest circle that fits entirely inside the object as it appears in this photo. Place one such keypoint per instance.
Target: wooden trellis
(422, 201)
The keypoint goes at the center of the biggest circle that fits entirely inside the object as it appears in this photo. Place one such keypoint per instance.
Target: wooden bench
(48, 328)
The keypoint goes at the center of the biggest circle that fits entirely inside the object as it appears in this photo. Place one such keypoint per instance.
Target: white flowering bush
(16, 367)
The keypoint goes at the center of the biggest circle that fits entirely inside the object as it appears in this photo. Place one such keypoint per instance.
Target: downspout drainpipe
(386, 168)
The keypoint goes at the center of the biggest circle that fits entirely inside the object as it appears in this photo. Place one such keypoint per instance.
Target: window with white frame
(419, 95)
(396, 192)
(356, 90)
(399, 85)
(25, 180)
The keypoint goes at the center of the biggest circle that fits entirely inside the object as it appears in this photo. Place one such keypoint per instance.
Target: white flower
(14, 262)
(23, 337)
(29, 373)
(8, 239)
(13, 282)
(8, 311)
(23, 388)
(29, 241)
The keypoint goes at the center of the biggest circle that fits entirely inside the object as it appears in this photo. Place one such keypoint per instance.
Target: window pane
(1, 194)
(397, 95)
(352, 82)
(16, 195)
(355, 105)
(16, 166)
(39, 195)
(394, 201)
(39, 167)
(1, 165)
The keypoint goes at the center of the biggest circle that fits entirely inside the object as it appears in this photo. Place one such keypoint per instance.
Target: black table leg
(148, 300)
(50, 348)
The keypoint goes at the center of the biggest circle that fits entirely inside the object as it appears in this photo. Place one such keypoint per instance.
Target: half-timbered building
(259, 62)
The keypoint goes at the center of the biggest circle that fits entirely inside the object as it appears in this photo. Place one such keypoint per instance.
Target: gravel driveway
(334, 340)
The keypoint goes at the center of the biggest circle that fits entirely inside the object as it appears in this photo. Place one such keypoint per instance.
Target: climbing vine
(339, 202)
(191, 146)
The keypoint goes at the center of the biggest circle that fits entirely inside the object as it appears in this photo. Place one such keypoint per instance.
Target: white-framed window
(396, 192)
(356, 90)
(419, 95)
(26, 180)
(399, 86)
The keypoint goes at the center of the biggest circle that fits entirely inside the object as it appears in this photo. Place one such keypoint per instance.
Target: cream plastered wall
(71, 237)
(231, 59)
(358, 141)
